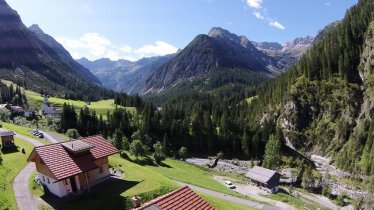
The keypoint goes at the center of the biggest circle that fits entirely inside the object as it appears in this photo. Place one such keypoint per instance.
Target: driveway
(224, 196)
(255, 193)
(24, 198)
(321, 200)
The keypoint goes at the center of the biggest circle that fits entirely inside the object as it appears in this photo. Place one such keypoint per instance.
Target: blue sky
(132, 29)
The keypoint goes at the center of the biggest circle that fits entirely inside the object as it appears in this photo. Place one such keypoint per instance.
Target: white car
(230, 185)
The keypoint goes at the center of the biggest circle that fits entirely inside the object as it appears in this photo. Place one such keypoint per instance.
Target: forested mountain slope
(218, 50)
(40, 65)
(324, 104)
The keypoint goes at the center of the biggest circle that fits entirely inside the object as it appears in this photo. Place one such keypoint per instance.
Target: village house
(13, 109)
(29, 113)
(7, 138)
(46, 108)
(183, 198)
(263, 177)
(74, 166)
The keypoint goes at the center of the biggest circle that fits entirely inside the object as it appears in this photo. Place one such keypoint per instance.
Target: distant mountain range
(123, 75)
(28, 55)
(219, 49)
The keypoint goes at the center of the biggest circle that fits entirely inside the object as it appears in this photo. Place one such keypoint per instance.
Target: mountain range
(219, 49)
(29, 56)
(123, 75)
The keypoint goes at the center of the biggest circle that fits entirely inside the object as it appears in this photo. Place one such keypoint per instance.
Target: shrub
(72, 133)
(183, 153)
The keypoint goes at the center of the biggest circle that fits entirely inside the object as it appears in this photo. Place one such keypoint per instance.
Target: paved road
(224, 196)
(24, 198)
(50, 138)
(321, 200)
(255, 192)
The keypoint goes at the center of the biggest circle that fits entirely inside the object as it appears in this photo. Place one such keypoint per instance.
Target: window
(101, 169)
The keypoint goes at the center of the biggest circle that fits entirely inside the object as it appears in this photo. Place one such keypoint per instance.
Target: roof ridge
(151, 202)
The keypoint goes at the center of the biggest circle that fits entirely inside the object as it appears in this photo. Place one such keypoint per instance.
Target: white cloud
(126, 49)
(261, 14)
(129, 58)
(258, 15)
(276, 24)
(94, 46)
(254, 3)
(159, 48)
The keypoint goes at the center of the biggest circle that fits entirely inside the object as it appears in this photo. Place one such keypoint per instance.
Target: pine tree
(272, 153)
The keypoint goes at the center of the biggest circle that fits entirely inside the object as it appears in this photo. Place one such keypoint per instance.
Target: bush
(73, 133)
(159, 154)
(340, 199)
(183, 153)
(326, 191)
(137, 148)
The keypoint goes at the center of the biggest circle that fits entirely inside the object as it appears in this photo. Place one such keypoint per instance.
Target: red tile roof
(183, 198)
(62, 164)
(102, 148)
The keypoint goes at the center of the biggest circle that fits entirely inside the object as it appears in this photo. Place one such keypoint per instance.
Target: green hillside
(35, 100)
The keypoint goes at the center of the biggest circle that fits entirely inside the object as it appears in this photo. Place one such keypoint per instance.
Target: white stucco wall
(95, 176)
(56, 188)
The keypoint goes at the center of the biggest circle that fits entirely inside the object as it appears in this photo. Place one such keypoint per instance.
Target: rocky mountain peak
(299, 42)
(9, 18)
(36, 29)
(223, 34)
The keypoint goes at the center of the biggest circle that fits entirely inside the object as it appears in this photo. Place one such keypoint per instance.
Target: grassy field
(137, 180)
(187, 173)
(35, 100)
(297, 202)
(223, 204)
(13, 162)
(23, 131)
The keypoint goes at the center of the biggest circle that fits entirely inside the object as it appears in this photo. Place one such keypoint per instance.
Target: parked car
(230, 185)
(40, 135)
(34, 132)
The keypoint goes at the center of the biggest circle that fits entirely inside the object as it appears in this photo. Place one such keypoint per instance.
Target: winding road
(24, 198)
(223, 196)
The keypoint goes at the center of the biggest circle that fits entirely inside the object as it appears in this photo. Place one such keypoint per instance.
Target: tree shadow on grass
(162, 164)
(8, 150)
(106, 195)
(145, 161)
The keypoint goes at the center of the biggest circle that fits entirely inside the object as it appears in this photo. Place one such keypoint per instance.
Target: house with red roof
(74, 166)
(183, 198)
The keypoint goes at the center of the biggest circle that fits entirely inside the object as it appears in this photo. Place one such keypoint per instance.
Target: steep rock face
(268, 45)
(123, 75)
(63, 54)
(218, 50)
(23, 56)
(298, 46)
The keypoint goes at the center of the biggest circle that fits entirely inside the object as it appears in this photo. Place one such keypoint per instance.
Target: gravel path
(24, 198)
(224, 196)
(255, 193)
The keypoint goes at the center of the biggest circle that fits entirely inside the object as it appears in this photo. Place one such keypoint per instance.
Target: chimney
(135, 201)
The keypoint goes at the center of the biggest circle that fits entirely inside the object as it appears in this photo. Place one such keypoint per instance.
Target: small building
(7, 138)
(183, 198)
(73, 167)
(46, 108)
(264, 177)
(29, 113)
(17, 110)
